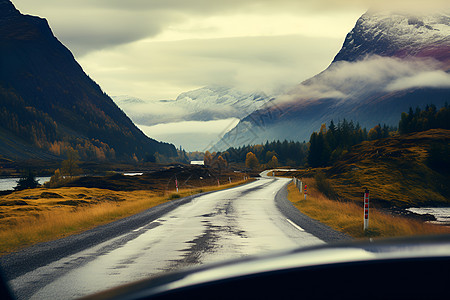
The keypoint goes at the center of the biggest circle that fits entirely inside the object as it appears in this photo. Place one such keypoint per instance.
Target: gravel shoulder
(316, 228)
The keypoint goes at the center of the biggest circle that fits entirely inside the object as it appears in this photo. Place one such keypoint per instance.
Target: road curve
(250, 219)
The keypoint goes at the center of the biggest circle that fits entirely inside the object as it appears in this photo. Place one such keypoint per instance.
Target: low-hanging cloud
(433, 79)
(349, 81)
(192, 135)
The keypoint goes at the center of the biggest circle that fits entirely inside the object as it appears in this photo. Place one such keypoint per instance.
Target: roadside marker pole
(218, 182)
(176, 183)
(366, 209)
(229, 178)
(300, 187)
(305, 191)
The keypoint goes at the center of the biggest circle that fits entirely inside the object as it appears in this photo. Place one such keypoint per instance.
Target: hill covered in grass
(400, 171)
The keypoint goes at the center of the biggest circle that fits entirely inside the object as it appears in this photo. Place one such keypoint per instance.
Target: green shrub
(174, 196)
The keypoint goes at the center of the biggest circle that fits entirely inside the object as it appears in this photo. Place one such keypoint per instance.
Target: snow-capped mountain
(398, 35)
(218, 102)
(203, 104)
(388, 63)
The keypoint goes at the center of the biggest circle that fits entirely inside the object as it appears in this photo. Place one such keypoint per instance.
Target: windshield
(139, 138)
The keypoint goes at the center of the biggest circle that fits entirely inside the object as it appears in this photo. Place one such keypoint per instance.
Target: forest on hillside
(331, 142)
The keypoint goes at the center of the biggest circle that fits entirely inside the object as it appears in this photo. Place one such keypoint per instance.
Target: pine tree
(27, 181)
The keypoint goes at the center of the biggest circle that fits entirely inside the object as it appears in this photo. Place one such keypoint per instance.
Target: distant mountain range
(388, 63)
(48, 104)
(204, 104)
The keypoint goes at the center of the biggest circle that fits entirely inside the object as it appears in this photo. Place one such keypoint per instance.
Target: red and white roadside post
(176, 184)
(305, 190)
(366, 209)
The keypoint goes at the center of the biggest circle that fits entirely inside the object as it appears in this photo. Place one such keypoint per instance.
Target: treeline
(95, 133)
(430, 118)
(33, 126)
(422, 120)
(329, 144)
(286, 153)
(39, 129)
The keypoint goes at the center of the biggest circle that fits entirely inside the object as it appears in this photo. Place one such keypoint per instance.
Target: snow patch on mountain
(223, 101)
(408, 31)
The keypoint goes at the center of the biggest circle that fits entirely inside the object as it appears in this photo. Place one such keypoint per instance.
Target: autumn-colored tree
(251, 161)
(375, 133)
(69, 167)
(273, 163)
(207, 158)
(221, 163)
(57, 180)
(323, 129)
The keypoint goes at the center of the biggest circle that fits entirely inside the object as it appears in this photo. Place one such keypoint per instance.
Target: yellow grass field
(37, 215)
(347, 217)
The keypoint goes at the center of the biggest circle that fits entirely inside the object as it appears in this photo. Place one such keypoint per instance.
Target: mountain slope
(48, 101)
(388, 63)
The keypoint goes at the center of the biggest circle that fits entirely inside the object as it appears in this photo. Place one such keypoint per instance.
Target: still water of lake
(10, 183)
(442, 214)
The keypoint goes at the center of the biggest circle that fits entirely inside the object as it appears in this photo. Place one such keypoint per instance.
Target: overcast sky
(156, 49)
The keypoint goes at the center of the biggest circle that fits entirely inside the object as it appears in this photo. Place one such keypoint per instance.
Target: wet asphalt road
(246, 220)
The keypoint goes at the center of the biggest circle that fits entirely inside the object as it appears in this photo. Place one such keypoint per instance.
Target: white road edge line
(295, 225)
(140, 228)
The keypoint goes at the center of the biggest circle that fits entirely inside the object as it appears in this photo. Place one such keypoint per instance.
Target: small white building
(197, 162)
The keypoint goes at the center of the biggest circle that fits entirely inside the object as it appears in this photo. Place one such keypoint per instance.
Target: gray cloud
(93, 35)
(253, 63)
(115, 40)
(86, 25)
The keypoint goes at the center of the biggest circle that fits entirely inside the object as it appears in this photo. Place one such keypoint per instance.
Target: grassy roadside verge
(49, 214)
(347, 217)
